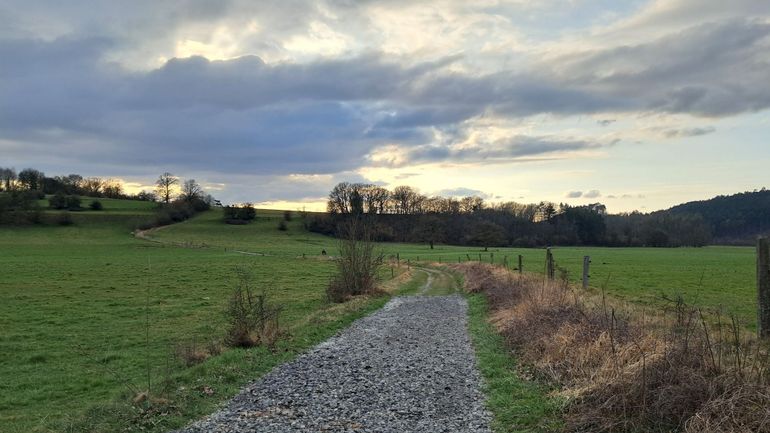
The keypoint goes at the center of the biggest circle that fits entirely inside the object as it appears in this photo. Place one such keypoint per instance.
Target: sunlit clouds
(636, 104)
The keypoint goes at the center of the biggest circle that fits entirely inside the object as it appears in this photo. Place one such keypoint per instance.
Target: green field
(77, 300)
(715, 277)
(74, 318)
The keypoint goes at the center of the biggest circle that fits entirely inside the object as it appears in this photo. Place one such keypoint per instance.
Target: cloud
(509, 149)
(322, 88)
(587, 194)
(688, 132)
(463, 192)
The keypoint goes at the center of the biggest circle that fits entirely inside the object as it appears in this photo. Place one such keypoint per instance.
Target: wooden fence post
(505, 262)
(398, 259)
(459, 259)
(491, 258)
(408, 264)
(549, 264)
(479, 257)
(586, 265)
(521, 263)
(763, 287)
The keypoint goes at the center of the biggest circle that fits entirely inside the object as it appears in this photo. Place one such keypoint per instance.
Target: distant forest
(404, 215)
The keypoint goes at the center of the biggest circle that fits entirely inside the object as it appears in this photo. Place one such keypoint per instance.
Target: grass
(76, 302)
(86, 285)
(715, 276)
(518, 405)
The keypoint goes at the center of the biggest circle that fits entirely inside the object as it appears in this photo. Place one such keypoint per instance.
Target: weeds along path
(408, 367)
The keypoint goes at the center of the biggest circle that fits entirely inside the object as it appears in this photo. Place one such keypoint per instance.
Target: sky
(639, 105)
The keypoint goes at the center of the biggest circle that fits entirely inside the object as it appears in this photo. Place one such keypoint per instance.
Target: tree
(191, 191)
(166, 184)
(112, 188)
(487, 234)
(31, 179)
(430, 230)
(471, 204)
(339, 198)
(92, 186)
(7, 178)
(403, 198)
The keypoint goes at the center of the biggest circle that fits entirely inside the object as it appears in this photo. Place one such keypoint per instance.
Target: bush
(239, 214)
(282, 226)
(73, 202)
(58, 201)
(95, 205)
(252, 318)
(358, 263)
(287, 215)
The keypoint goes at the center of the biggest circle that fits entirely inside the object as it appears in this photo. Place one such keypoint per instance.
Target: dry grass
(625, 370)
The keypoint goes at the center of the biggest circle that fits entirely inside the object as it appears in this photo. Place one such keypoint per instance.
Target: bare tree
(339, 198)
(92, 186)
(112, 188)
(165, 186)
(191, 191)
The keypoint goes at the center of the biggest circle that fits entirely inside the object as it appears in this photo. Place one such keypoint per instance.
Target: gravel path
(408, 367)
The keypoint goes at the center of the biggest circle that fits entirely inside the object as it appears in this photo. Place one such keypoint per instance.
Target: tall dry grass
(627, 370)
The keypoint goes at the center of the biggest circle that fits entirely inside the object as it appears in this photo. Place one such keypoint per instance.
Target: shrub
(358, 263)
(58, 201)
(73, 202)
(626, 372)
(287, 215)
(190, 352)
(95, 205)
(282, 226)
(252, 317)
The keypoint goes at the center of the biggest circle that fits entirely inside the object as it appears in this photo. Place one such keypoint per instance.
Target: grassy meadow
(716, 277)
(79, 301)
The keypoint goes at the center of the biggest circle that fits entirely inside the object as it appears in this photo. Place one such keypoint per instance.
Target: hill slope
(734, 219)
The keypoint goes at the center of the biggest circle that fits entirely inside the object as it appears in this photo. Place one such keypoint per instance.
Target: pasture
(79, 302)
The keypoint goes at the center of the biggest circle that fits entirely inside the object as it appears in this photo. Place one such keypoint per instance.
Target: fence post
(459, 259)
(439, 259)
(479, 257)
(491, 258)
(549, 263)
(505, 262)
(586, 276)
(408, 264)
(763, 287)
(398, 259)
(521, 263)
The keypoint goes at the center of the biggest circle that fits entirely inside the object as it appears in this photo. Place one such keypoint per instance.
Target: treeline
(20, 195)
(36, 181)
(404, 215)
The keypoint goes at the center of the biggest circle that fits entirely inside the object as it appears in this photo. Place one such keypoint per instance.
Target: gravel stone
(409, 367)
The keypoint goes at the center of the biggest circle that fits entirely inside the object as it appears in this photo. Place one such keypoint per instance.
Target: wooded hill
(733, 219)
(403, 215)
